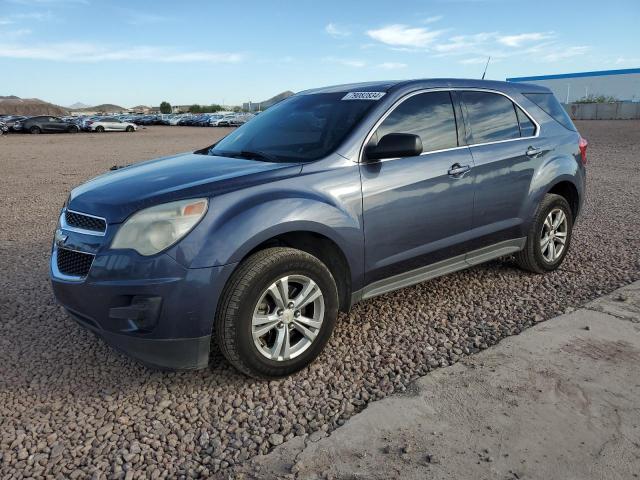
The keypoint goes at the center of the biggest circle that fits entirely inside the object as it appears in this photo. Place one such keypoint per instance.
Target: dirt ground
(72, 407)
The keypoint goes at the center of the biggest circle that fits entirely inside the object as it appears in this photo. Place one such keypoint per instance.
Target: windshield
(300, 128)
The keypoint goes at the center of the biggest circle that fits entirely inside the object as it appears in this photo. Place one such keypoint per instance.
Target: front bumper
(151, 308)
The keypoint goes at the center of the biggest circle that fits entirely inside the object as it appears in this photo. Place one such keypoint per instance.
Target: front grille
(74, 264)
(85, 222)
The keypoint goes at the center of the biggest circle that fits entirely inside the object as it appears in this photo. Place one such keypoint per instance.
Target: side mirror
(395, 145)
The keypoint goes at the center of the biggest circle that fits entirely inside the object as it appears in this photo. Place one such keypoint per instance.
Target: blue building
(623, 85)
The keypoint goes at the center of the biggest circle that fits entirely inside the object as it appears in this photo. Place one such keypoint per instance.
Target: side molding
(438, 269)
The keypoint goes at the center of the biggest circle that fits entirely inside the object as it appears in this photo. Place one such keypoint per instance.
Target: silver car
(110, 124)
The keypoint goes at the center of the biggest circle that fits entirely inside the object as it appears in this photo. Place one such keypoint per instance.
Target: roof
(387, 86)
(599, 73)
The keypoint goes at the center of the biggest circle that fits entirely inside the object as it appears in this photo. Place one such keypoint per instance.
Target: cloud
(19, 17)
(15, 33)
(474, 61)
(87, 52)
(399, 35)
(523, 38)
(627, 60)
(347, 62)
(434, 19)
(336, 31)
(561, 54)
(52, 3)
(391, 65)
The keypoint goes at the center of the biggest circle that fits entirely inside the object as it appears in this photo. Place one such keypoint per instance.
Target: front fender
(234, 229)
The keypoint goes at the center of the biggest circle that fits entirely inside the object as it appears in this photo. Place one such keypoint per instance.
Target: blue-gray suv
(330, 197)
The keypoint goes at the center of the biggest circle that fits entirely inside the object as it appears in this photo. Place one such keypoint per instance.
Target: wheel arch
(568, 190)
(324, 249)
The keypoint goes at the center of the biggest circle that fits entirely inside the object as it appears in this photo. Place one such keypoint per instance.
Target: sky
(145, 51)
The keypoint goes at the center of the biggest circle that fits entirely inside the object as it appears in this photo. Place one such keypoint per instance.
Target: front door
(418, 210)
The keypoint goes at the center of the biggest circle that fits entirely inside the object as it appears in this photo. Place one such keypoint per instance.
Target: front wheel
(34, 130)
(73, 129)
(100, 129)
(549, 236)
(276, 313)
(129, 128)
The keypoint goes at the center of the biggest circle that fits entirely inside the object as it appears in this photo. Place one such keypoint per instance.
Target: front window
(300, 128)
(427, 115)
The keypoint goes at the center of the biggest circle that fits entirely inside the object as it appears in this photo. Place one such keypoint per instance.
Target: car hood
(118, 194)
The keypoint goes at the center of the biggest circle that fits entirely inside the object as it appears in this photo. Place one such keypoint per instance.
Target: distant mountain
(107, 107)
(104, 107)
(79, 106)
(12, 105)
(255, 106)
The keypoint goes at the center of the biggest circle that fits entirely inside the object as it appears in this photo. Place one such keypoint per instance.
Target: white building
(623, 85)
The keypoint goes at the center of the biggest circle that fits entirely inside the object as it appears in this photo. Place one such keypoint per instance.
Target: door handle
(533, 152)
(457, 169)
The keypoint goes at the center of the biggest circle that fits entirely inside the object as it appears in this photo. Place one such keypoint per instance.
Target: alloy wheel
(554, 235)
(288, 317)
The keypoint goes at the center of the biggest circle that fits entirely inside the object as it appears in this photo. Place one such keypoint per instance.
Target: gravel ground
(71, 407)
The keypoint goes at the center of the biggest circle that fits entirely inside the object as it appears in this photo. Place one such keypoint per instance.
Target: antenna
(485, 68)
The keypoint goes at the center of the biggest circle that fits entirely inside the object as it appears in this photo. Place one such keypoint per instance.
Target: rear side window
(428, 115)
(492, 117)
(551, 106)
(527, 127)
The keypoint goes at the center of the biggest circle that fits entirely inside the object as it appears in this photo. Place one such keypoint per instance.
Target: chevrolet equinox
(330, 197)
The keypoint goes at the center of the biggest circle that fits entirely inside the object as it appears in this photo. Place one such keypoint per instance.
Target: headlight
(154, 229)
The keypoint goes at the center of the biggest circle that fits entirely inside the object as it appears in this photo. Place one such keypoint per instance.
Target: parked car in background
(330, 197)
(87, 121)
(176, 119)
(111, 124)
(224, 121)
(213, 118)
(240, 119)
(11, 120)
(45, 124)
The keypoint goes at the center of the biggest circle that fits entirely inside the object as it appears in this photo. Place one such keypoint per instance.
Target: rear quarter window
(551, 106)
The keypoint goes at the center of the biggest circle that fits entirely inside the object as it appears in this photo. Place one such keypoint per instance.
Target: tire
(129, 129)
(73, 129)
(534, 257)
(35, 130)
(100, 129)
(246, 294)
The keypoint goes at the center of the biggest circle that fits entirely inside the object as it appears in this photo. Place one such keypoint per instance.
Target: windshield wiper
(250, 154)
(258, 155)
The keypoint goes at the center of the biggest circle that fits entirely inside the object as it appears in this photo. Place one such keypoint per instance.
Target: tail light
(583, 144)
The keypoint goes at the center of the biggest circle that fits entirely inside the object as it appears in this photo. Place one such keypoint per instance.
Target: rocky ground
(71, 407)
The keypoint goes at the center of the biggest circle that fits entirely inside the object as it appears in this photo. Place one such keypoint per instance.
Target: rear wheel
(549, 236)
(276, 313)
(100, 129)
(35, 130)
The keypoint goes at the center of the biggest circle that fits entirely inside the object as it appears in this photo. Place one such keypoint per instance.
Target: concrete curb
(558, 401)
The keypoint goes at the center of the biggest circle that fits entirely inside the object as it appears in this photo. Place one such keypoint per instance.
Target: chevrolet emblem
(60, 238)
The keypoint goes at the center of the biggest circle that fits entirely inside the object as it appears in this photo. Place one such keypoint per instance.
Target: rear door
(502, 142)
(416, 212)
(52, 124)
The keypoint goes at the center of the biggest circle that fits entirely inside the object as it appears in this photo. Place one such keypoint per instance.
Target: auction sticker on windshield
(363, 96)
